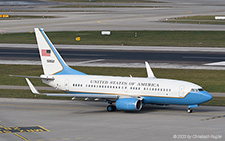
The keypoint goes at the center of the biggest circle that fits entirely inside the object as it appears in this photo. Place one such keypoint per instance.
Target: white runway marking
(90, 61)
(222, 63)
(199, 57)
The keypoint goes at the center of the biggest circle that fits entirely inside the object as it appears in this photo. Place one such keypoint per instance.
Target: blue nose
(206, 96)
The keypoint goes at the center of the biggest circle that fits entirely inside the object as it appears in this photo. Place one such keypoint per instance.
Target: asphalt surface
(80, 120)
(117, 56)
(112, 56)
(135, 17)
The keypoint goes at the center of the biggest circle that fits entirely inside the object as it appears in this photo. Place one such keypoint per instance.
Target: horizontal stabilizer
(35, 77)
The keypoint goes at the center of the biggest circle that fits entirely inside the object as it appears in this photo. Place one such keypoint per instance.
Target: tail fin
(52, 62)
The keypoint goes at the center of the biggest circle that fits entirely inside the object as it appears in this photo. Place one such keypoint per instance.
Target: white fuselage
(123, 86)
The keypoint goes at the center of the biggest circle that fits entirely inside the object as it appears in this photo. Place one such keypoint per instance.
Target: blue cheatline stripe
(66, 69)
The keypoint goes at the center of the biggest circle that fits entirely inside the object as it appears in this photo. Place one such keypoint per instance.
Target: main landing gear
(189, 110)
(111, 108)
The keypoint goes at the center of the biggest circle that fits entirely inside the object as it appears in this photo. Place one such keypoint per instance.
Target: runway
(117, 56)
(80, 120)
(139, 16)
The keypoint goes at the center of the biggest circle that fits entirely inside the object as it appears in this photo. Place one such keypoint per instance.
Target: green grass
(201, 22)
(210, 80)
(196, 18)
(29, 94)
(19, 17)
(206, 19)
(216, 101)
(144, 38)
(5, 70)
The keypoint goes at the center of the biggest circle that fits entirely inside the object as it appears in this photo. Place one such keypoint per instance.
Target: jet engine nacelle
(132, 104)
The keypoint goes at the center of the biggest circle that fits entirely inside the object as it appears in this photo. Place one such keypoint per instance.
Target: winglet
(149, 71)
(32, 88)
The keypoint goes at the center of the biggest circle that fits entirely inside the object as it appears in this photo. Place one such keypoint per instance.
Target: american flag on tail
(45, 52)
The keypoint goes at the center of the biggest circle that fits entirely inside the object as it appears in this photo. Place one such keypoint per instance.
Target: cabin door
(67, 85)
(181, 91)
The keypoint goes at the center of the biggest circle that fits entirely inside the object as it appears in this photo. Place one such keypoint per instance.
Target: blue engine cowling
(132, 104)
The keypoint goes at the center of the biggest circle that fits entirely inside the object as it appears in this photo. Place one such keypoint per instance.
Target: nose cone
(206, 96)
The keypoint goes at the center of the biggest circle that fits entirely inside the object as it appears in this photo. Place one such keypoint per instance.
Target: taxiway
(85, 120)
(133, 16)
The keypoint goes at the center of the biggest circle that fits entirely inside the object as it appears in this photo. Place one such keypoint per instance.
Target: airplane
(121, 93)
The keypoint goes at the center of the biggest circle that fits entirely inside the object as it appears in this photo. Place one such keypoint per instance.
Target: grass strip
(29, 94)
(130, 38)
(19, 17)
(206, 19)
(210, 80)
(216, 101)
(203, 17)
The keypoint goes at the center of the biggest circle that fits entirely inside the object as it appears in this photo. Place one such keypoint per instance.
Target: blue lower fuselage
(193, 98)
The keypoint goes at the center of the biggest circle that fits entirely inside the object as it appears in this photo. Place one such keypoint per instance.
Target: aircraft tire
(189, 110)
(111, 108)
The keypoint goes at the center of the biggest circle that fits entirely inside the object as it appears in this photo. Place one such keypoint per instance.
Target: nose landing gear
(189, 110)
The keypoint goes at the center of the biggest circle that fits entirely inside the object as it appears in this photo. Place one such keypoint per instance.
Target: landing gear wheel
(111, 108)
(189, 110)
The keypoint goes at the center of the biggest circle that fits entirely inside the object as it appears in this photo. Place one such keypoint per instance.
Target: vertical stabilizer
(51, 60)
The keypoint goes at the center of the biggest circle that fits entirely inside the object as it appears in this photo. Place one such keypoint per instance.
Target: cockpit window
(196, 90)
(200, 89)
